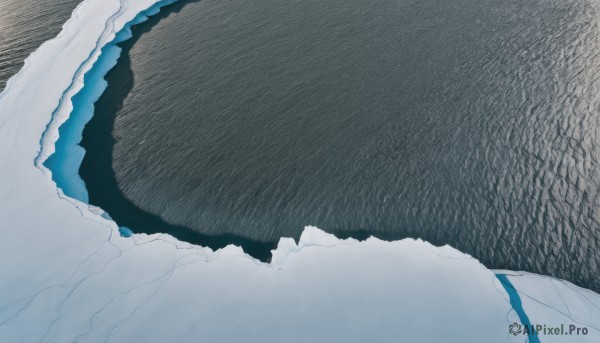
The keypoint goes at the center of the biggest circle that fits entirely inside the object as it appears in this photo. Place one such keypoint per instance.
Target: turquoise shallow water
(472, 124)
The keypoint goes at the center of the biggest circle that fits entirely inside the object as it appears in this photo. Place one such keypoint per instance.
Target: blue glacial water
(65, 162)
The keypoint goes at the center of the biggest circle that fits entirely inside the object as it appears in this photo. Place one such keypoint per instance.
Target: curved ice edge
(106, 53)
(311, 237)
(61, 154)
(110, 37)
(82, 103)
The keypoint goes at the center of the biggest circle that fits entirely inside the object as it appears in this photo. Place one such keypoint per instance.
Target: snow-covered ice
(552, 302)
(67, 274)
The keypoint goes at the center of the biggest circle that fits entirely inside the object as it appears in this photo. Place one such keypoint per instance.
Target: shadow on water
(96, 167)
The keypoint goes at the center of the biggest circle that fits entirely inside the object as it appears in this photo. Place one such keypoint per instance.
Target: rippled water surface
(24, 25)
(473, 123)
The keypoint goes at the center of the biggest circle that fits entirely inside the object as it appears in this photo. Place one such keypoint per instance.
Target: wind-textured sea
(469, 123)
(24, 26)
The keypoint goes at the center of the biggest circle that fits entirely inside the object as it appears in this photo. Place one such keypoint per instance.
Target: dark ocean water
(24, 26)
(469, 123)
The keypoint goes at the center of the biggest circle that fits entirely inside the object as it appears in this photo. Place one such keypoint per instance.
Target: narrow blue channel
(66, 160)
(517, 305)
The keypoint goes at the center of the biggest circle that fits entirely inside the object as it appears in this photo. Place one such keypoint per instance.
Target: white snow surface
(67, 275)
